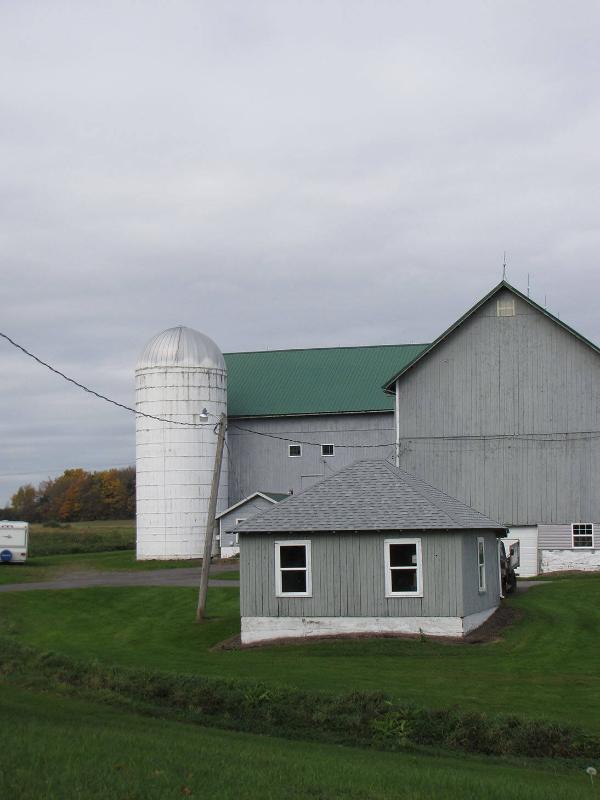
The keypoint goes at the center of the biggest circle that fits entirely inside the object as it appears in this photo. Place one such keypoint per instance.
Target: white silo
(180, 375)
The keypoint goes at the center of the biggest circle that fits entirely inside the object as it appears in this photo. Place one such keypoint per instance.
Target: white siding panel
(528, 537)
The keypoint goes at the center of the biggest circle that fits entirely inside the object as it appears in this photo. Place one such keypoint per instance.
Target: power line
(540, 437)
(97, 394)
(302, 441)
(514, 437)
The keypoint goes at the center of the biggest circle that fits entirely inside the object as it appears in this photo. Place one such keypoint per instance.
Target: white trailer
(14, 537)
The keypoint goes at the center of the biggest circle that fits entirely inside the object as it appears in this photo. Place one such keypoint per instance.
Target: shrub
(367, 719)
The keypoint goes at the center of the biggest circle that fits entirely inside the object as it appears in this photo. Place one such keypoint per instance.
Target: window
(292, 569)
(295, 450)
(583, 534)
(481, 563)
(403, 569)
(505, 308)
(327, 449)
(236, 536)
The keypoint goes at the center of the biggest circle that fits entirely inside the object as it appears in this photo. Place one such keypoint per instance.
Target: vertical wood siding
(503, 376)
(258, 463)
(473, 599)
(249, 509)
(348, 576)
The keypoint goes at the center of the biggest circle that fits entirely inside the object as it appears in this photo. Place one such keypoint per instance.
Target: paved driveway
(161, 577)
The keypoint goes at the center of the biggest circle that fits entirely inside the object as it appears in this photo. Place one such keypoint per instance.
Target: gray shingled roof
(368, 495)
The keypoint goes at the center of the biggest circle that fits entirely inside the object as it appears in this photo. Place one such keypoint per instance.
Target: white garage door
(529, 550)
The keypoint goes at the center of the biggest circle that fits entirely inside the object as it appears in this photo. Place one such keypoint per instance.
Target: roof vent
(506, 307)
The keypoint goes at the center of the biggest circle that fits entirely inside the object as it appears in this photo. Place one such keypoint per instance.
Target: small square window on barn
(481, 563)
(293, 576)
(295, 450)
(403, 568)
(327, 449)
(583, 534)
(505, 308)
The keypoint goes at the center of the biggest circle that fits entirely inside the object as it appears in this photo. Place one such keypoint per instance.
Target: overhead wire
(98, 394)
(539, 437)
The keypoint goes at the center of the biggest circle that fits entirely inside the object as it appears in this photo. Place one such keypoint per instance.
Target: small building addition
(370, 549)
(233, 516)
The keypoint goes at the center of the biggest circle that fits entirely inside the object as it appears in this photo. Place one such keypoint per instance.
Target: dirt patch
(491, 631)
(493, 628)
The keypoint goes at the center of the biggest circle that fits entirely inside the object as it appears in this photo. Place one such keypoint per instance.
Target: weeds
(358, 718)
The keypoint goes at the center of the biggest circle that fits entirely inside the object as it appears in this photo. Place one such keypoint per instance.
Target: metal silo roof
(181, 347)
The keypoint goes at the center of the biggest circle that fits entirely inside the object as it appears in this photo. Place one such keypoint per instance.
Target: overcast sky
(276, 175)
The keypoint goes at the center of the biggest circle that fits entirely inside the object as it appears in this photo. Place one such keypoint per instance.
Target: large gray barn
(501, 411)
(370, 549)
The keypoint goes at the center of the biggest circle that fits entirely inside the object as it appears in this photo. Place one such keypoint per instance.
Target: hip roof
(369, 495)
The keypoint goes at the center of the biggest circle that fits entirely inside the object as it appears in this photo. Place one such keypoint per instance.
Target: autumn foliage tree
(78, 495)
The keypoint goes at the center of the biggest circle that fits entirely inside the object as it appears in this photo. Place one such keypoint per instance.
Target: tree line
(75, 496)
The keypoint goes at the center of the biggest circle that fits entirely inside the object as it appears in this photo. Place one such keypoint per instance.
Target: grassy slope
(66, 749)
(546, 666)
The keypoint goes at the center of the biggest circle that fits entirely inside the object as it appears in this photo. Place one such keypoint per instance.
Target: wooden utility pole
(210, 523)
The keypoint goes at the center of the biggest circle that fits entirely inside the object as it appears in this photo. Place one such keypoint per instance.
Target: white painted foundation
(262, 629)
(561, 560)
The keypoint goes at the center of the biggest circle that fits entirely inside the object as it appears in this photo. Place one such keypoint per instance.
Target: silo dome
(181, 385)
(181, 347)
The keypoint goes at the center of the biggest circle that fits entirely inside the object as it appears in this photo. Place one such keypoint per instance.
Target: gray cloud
(276, 174)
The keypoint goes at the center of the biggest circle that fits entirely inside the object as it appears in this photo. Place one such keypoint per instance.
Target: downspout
(397, 421)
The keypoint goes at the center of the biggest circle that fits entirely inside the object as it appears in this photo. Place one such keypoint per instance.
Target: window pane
(292, 556)
(583, 535)
(327, 449)
(295, 450)
(403, 555)
(293, 581)
(582, 541)
(404, 580)
(481, 553)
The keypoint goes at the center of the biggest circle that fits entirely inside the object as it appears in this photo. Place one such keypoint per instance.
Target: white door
(528, 536)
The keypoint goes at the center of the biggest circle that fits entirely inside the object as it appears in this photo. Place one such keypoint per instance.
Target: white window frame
(388, 568)
(505, 307)
(294, 455)
(581, 546)
(278, 568)
(481, 582)
(236, 538)
(328, 455)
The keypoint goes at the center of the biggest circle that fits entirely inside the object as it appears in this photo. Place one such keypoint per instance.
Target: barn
(501, 411)
(369, 549)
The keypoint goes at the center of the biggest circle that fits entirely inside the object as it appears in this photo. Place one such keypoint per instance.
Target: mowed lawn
(64, 748)
(546, 666)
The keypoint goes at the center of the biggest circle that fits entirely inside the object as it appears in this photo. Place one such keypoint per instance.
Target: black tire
(511, 583)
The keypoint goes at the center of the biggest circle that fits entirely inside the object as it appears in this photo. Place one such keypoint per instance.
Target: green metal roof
(331, 380)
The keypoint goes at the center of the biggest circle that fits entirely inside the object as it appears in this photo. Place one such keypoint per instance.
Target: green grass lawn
(233, 575)
(82, 537)
(69, 749)
(546, 666)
